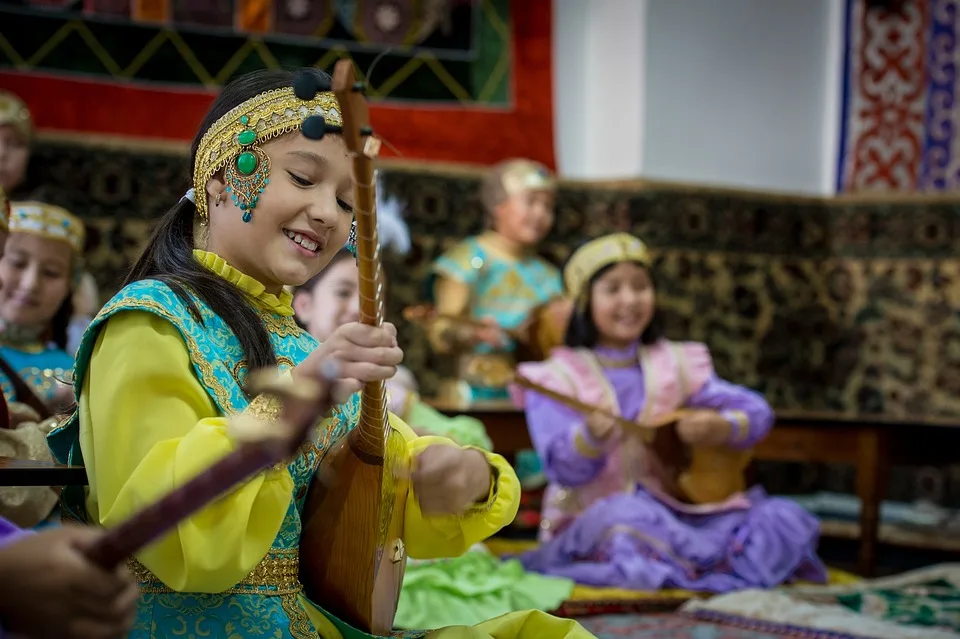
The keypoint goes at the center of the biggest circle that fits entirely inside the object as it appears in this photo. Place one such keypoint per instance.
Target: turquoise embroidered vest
(266, 602)
(40, 369)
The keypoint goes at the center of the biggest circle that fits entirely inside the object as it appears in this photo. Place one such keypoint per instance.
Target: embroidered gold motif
(209, 378)
(275, 575)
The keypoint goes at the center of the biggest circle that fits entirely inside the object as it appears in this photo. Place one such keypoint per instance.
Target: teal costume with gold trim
(267, 601)
(39, 366)
(504, 290)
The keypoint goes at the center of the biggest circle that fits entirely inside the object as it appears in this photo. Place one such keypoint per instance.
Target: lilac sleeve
(570, 456)
(747, 411)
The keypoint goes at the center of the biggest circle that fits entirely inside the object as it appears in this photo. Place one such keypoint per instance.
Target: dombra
(695, 474)
(352, 556)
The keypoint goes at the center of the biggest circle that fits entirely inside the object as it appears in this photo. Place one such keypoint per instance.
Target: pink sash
(673, 371)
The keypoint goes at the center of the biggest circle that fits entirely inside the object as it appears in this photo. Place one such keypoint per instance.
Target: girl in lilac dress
(608, 518)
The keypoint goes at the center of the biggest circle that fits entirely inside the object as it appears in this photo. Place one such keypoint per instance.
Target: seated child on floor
(608, 518)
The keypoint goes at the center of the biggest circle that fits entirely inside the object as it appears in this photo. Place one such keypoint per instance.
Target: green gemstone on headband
(247, 163)
(244, 120)
(247, 137)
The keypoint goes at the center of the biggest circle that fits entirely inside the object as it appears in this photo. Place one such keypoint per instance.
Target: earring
(351, 244)
(216, 202)
(248, 173)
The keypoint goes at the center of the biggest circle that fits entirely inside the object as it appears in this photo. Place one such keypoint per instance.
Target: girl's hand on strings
(601, 425)
(448, 480)
(364, 354)
(49, 588)
(703, 428)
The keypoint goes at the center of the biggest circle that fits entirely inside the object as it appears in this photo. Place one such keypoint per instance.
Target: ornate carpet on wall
(820, 305)
(901, 110)
(474, 77)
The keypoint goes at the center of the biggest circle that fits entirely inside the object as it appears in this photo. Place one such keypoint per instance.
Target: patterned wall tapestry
(901, 110)
(823, 305)
(473, 77)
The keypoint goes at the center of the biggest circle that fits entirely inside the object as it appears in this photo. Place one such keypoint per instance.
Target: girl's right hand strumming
(601, 425)
(364, 354)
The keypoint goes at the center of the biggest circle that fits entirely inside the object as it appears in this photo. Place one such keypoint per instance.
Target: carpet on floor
(666, 626)
(920, 604)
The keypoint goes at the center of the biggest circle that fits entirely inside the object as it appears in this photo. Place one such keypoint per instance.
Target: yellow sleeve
(147, 425)
(452, 535)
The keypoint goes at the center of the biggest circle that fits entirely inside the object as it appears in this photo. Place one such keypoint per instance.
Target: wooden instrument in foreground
(541, 333)
(352, 555)
(700, 475)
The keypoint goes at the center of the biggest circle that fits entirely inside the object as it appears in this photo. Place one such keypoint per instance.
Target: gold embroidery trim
(485, 506)
(275, 575)
(208, 377)
(740, 422)
(585, 448)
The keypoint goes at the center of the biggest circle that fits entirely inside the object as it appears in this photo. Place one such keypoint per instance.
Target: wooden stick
(587, 409)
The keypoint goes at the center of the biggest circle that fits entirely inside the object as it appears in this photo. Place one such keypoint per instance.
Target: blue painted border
(845, 103)
(945, 90)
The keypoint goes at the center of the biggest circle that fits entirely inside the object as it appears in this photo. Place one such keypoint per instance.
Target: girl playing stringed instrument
(610, 517)
(164, 365)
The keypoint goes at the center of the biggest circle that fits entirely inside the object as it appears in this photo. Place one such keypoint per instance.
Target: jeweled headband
(232, 143)
(51, 222)
(597, 254)
(15, 113)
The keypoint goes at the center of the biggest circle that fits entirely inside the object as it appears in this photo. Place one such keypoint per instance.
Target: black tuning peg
(314, 127)
(359, 87)
(305, 85)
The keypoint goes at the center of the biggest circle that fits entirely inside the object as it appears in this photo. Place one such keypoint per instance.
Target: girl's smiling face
(301, 220)
(622, 303)
(35, 274)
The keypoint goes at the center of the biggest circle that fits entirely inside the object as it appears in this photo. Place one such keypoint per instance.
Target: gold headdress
(15, 113)
(232, 143)
(4, 211)
(48, 221)
(525, 175)
(596, 254)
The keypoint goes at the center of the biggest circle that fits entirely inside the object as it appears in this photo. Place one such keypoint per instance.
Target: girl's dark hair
(582, 331)
(60, 322)
(169, 254)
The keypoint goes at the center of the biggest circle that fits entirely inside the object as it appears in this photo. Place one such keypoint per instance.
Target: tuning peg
(359, 87)
(305, 85)
(314, 127)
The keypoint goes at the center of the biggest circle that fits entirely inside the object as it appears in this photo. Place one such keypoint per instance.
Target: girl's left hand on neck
(704, 428)
(448, 480)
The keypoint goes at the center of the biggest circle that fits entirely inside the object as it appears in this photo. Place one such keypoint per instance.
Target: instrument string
(370, 267)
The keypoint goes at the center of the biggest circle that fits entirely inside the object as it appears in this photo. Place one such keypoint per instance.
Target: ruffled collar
(281, 305)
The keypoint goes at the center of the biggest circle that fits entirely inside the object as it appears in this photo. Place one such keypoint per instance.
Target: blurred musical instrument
(352, 556)
(699, 474)
(543, 331)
